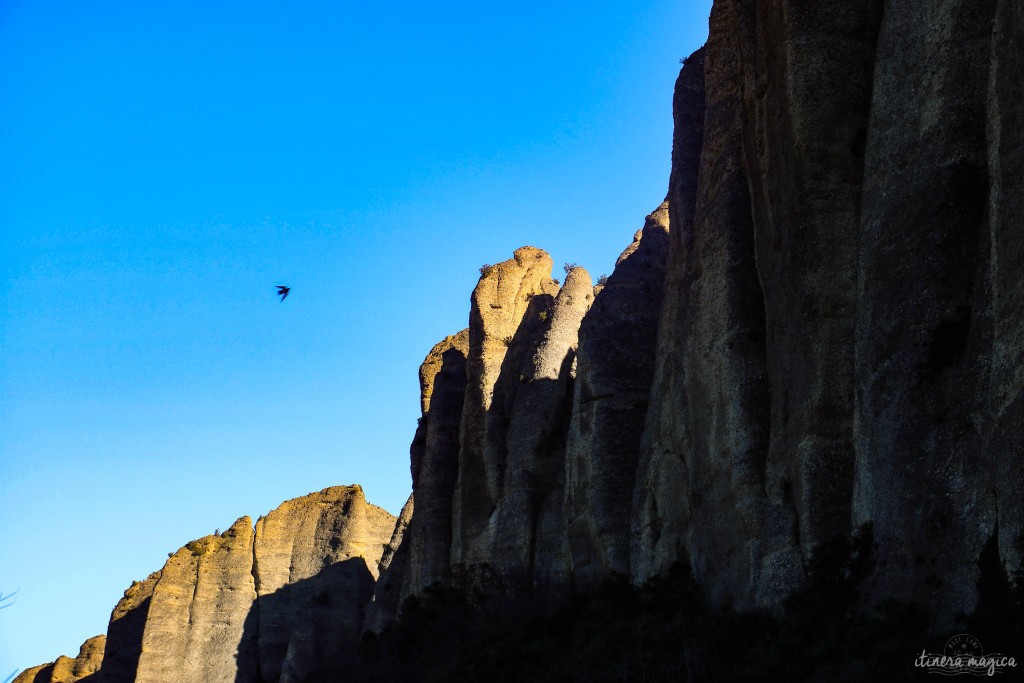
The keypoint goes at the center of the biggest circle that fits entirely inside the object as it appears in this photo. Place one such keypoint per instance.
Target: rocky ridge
(279, 601)
(819, 371)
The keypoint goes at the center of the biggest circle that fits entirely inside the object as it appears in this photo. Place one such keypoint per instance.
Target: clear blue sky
(164, 165)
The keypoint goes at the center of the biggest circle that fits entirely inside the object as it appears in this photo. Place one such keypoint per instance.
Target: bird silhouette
(282, 291)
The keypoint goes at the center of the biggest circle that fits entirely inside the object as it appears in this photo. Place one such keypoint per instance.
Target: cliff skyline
(780, 440)
(165, 171)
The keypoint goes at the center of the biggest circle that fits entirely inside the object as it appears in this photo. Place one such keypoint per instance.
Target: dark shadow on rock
(306, 631)
(44, 675)
(124, 645)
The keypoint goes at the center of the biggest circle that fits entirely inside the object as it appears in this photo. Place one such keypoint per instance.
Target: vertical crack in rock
(529, 548)
(251, 634)
(504, 311)
(804, 148)
(393, 582)
(615, 366)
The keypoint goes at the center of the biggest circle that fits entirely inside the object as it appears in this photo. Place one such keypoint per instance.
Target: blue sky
(164, 165)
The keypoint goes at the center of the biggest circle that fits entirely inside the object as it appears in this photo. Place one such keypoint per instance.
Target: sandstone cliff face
(530, 547)
(504, 315)
(195, 627)
(281, 602)
(489, 460)
(314, 562)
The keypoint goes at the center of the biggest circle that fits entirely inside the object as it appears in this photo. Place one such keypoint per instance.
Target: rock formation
(124, 632)
(616, 362)
(314, 562)
(503, 411)
(81, 669)
(834, 357)
(393, 572)
(280, 602)
(529, 541)
(435, 471)
(838, 350)
(503, 320)
(818, 372)
(195, 627)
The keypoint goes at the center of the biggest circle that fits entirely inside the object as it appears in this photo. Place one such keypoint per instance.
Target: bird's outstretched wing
(282, 291)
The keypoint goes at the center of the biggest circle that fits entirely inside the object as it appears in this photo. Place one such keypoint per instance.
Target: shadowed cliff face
(924, 320)
(840, 347)
(124, 633)
(307, 629)
(609, 403)
(835, 354)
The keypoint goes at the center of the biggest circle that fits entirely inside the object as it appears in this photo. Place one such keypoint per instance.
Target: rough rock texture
(615, 366)
(805, 154)
(504, 315)
(706, 440)
(195, 627)
(841, 344)
(442, 391)
(124, 632)
(662, 509)
(924, 336)
(35, 674)
(84, 666)
(315, 563)
(529, 548)
(1005, 275)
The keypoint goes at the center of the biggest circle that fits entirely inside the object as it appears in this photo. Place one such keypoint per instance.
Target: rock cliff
(124, 632)
(825, 352)
(282, 601)
(504, 317)
(818, 372)
(838, 355)
(532, 414)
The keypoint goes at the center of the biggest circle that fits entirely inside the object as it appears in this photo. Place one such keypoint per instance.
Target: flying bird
(282, 291)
